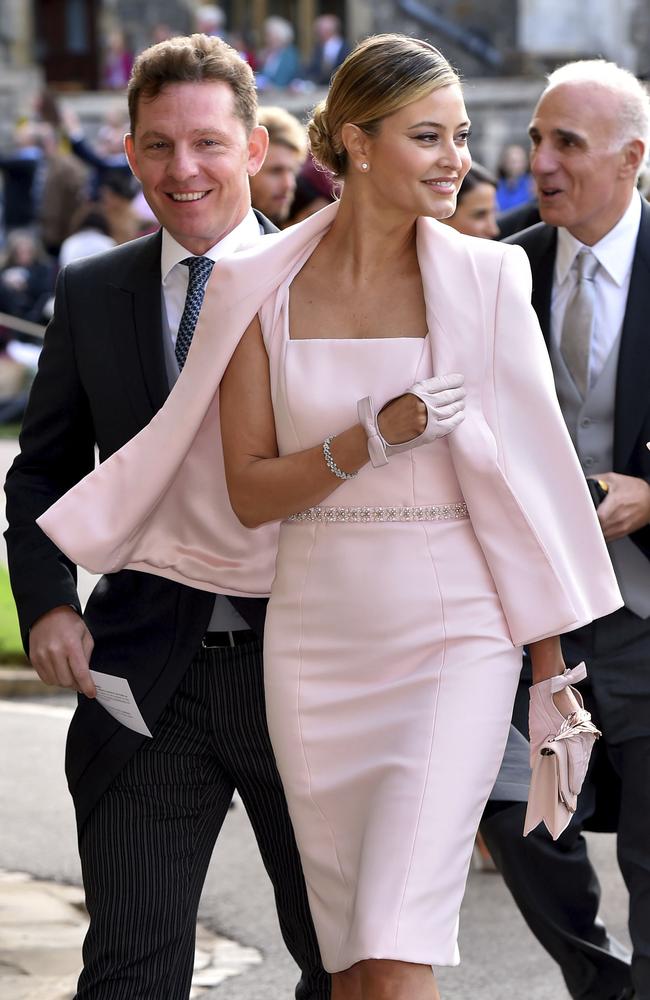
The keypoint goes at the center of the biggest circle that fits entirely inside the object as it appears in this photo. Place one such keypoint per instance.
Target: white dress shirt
(615, 254)
(175, 276)
(331, 50)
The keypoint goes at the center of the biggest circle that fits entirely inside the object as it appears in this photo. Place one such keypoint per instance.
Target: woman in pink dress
(390, 666)
(391, 403)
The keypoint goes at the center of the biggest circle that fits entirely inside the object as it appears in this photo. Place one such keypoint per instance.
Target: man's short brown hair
(192, 59)
(284, 129)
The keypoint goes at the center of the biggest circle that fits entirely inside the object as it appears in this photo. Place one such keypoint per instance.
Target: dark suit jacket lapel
(135, 305)
(266, 226)
(541, 253)
(633, 376)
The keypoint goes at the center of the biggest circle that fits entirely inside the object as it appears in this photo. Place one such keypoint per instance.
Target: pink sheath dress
(390, 673)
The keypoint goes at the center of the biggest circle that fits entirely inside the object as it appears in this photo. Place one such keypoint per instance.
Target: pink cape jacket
(160, 504)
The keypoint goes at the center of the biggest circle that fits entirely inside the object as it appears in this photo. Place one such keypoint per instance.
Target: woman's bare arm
(262, 486)
(547, 661)
(546, 658)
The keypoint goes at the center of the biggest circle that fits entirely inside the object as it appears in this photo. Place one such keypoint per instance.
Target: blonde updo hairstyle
(381, 75)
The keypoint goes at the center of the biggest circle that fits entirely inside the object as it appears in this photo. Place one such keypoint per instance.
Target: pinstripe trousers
(146, 846)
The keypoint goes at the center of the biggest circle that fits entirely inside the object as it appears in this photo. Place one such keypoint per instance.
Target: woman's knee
(385, 979)
(346, 985)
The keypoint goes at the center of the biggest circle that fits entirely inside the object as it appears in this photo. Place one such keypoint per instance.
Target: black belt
(239, 638)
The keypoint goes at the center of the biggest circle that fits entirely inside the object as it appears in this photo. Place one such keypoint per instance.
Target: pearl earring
(364, 166)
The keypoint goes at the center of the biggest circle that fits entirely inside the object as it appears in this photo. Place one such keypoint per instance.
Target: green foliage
(9, 430)
(11, 647)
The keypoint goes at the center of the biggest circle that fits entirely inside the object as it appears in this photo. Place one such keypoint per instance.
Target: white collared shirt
(331, 50)
(175, 276)
(615, 254)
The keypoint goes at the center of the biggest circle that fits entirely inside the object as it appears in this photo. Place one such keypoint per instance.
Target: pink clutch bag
(559, 754)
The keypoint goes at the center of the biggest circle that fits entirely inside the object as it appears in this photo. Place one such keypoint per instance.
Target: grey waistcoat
(591, 426)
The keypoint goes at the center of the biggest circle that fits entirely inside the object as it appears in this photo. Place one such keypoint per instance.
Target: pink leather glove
(444, 398)
(559, 753)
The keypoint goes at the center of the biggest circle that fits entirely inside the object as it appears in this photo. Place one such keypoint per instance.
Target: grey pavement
(43, 925)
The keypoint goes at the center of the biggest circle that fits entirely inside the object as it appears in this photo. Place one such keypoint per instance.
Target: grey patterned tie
(200, 271)
(579, 320)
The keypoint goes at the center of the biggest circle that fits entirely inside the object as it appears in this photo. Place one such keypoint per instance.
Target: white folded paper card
(115, 695)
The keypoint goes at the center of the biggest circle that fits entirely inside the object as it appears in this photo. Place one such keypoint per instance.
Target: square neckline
(337, 340)
(322, 340)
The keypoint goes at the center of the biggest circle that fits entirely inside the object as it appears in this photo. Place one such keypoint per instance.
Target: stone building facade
(517, 37)
(478, 37)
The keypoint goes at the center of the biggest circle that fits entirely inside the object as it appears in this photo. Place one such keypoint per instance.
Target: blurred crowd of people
(278, 63)
(274, 55)
(63, 197)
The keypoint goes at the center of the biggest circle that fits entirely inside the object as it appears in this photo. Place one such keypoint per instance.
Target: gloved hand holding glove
(444, 400)
(560, 749)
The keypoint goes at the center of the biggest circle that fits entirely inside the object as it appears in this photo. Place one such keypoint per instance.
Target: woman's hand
(262, 485)
(434, 405)
(403, 419)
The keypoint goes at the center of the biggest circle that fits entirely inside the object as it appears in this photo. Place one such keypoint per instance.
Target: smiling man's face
(193, 157)
(578, 160)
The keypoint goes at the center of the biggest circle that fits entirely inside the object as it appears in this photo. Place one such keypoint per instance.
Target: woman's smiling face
(419, 156)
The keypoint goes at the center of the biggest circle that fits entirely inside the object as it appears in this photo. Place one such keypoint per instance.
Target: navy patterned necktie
(200, 271)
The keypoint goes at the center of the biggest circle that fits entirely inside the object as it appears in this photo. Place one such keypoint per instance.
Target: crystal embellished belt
(369, 515)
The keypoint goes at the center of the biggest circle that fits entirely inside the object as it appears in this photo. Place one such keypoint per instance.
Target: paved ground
(43, 925)
(499, 955)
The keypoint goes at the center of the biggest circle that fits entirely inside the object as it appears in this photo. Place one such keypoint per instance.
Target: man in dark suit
(329, 50)
(274, 186)
(19, 169)
(515, 219)
(149, 810)
(590, 259)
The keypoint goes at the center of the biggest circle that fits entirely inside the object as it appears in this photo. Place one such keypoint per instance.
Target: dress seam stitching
(431, 741)
(302, 742)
